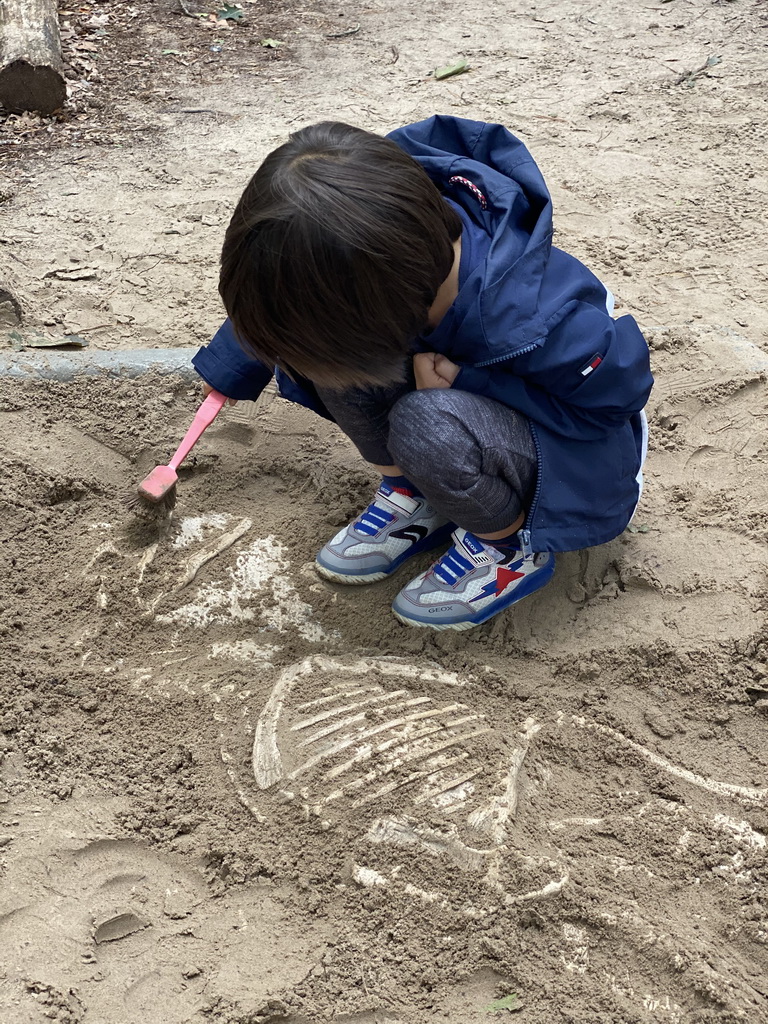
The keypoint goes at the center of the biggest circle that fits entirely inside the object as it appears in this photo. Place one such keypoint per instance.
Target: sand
(232, 793)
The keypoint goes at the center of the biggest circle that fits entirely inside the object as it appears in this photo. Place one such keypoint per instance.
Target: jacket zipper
(525, 533)
(511, 355)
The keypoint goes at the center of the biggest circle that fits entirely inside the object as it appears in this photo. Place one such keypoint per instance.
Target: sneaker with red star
(472, 582)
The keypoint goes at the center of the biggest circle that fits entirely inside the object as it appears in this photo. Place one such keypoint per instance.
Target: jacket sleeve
(223, 364)
(591, 374)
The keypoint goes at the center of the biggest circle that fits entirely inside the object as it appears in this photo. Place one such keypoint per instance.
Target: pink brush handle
(204, 417)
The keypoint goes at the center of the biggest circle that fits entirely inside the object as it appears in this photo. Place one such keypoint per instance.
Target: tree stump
(30, 57)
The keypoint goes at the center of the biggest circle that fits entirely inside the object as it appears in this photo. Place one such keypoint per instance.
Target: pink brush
(160, 486)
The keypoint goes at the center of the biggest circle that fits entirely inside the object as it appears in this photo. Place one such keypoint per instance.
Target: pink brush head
(158, 490)
(156, 486)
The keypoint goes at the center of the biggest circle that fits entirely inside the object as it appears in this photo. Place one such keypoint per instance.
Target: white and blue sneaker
(472, 582)
(394, 527)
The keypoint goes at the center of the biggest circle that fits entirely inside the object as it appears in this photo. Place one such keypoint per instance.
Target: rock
(8, 317)
(658, 723)
(10, 308)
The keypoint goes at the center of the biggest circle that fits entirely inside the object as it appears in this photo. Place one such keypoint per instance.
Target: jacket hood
(503, 292)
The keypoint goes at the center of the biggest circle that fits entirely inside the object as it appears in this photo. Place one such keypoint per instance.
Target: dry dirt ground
(230, 793)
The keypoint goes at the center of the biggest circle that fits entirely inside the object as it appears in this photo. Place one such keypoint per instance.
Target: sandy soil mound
(218, 741)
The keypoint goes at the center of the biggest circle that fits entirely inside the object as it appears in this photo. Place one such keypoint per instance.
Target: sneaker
(394, 527)
(472, 582)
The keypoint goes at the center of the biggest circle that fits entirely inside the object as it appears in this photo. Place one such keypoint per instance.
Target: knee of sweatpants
(420, 423)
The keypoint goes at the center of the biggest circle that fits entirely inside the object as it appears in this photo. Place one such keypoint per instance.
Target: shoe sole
(542, 577)
(340, 577)
(440, 536)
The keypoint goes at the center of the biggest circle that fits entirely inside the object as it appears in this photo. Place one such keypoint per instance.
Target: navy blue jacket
(534, 333)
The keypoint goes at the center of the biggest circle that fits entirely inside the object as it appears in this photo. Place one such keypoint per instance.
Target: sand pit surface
(232, 793)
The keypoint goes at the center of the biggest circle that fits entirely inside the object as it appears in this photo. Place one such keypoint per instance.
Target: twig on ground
(346, 32)
(190, 14)
(689, 77)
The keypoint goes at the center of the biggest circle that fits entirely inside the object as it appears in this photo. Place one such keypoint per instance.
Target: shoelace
(452, 567)
(373, 520)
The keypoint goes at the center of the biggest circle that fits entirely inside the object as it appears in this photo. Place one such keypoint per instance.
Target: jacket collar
(499, 302)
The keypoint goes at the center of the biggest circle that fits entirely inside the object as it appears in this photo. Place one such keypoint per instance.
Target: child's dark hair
(334, 255)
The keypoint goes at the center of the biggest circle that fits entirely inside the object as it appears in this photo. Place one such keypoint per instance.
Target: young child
(407, 288)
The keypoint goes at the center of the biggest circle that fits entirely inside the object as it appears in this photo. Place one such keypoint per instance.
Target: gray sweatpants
(472, 458)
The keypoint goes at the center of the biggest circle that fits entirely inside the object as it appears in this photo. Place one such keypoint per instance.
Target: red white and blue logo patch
(591, 366)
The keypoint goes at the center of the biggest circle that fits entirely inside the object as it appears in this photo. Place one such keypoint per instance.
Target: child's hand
(207, 389)
(432, 370)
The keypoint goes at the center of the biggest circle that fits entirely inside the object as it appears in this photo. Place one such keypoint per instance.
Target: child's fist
(432, 370)
(207, 389)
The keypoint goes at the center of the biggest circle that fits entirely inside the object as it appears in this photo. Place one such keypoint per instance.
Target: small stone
(10, 308)
(89, 703)
(658, 723)
(8, 316)
(193, 971)
(762, 706)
